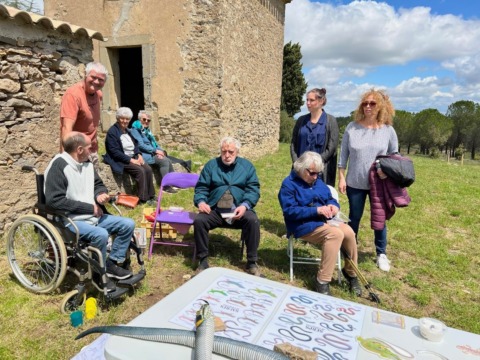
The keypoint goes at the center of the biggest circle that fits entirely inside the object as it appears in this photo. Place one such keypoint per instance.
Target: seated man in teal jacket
(226, 193)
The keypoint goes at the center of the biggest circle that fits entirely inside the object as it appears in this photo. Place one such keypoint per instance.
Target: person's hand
(160, 154)
(342, 186)
(381, 174)
(103, 198)
(203, 207)
(140, 159)
(334, 210)
(239, 212)
(97, 211)
(135, 161)
(325, 211)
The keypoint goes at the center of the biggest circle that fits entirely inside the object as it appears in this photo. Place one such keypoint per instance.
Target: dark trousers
(144, 177)
(356, 200)
(164, 166)
(249, 224)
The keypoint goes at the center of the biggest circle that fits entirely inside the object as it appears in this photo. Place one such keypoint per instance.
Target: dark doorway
(131, 79)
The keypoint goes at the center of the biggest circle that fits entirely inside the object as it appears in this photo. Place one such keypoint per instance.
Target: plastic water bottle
(90, 308)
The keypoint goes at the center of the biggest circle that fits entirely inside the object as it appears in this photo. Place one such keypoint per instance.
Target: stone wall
(237, 49)
(37, 64)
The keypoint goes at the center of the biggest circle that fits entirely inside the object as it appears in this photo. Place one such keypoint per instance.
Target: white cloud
(466, 68)
(371, 33)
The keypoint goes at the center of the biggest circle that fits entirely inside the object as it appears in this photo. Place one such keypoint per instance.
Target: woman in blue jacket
(307, 204)
(153, 154)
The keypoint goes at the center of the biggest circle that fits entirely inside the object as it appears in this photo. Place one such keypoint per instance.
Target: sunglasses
(371, 103)
(147, 120)
(312, 173)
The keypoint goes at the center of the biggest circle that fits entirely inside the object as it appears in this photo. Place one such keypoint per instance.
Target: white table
(264, 312)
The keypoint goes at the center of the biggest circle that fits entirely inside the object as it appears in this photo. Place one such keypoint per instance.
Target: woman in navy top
(318, 132)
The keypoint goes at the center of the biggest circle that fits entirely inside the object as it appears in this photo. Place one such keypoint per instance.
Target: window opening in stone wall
(131, 79)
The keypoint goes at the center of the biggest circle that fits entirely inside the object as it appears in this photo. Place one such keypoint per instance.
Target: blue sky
(424, 53)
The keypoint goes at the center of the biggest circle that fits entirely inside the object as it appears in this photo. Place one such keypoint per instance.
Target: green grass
(433, 245)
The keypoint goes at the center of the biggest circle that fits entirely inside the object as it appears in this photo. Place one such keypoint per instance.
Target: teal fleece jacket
(216, 178)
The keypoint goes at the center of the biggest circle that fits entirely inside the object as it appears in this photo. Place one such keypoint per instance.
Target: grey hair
(306, 160)
(230, 140)
(141, 112)
(97, 67)
(73, 140)
(319, 94)
(124, 112)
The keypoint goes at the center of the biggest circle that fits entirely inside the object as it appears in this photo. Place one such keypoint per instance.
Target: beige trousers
(329, 239)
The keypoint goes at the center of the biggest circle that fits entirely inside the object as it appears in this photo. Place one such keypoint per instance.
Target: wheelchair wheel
(71, 302)
(36, 254)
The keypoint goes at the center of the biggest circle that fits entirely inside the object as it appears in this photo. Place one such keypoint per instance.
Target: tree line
(455, 133)
(428, 131)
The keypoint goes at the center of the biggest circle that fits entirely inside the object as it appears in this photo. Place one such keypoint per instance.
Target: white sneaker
(383, 263)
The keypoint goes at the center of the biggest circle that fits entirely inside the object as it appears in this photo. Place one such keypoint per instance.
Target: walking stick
(374, 297)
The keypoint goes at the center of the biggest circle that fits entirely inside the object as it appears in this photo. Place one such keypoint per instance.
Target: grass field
(433, 245)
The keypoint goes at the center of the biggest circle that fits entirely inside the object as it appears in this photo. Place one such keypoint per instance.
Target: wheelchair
(41, 250)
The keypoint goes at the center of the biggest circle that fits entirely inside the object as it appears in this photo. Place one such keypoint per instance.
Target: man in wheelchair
(73, 186)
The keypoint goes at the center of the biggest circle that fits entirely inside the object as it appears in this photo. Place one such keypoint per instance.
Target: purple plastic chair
(179, 220)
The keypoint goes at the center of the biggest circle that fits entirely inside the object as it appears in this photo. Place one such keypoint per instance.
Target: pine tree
(293, 81)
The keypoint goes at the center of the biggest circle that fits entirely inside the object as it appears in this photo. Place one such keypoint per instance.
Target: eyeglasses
(367, 103)
(312, 173)
(147, 120)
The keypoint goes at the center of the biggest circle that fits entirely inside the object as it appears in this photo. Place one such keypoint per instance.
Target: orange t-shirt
(85, 109)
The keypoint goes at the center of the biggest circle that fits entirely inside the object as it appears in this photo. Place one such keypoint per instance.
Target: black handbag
(399, 168)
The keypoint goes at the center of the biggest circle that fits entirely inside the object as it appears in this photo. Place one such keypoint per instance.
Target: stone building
(39, 59)
(205, 68)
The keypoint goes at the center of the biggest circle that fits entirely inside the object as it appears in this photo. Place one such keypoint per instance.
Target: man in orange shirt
(80, 108)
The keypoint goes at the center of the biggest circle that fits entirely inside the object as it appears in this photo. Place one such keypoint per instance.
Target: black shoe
(253, 269)
(170, 190)
(151, 202)
(353, 283)
(202, 265)
(117, 272)
(322, 288)
(111, 287)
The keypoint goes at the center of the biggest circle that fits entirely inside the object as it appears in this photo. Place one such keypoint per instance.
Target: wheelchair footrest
(117, 293)
(132, 280)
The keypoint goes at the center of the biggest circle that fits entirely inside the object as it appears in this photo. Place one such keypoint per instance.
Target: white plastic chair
(310, 260)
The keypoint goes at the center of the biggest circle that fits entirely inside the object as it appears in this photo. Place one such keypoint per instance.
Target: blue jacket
(299, 202)
(216, 178)
(146, 142)
(115, 156)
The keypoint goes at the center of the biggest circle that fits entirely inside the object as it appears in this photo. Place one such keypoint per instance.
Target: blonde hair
(385, 113)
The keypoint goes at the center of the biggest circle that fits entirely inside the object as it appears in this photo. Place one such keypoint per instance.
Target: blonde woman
(370, 135)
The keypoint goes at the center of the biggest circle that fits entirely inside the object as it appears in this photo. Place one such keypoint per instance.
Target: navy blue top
(311, 137)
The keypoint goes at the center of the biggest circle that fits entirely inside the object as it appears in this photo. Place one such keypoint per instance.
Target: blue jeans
(356, 200)
(97, 236)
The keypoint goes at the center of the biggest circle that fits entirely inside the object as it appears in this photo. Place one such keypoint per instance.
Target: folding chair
(308, 261)
(311, 261)
(179, 220)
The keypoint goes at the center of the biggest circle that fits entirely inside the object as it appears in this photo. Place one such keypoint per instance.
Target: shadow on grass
(273, 226)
